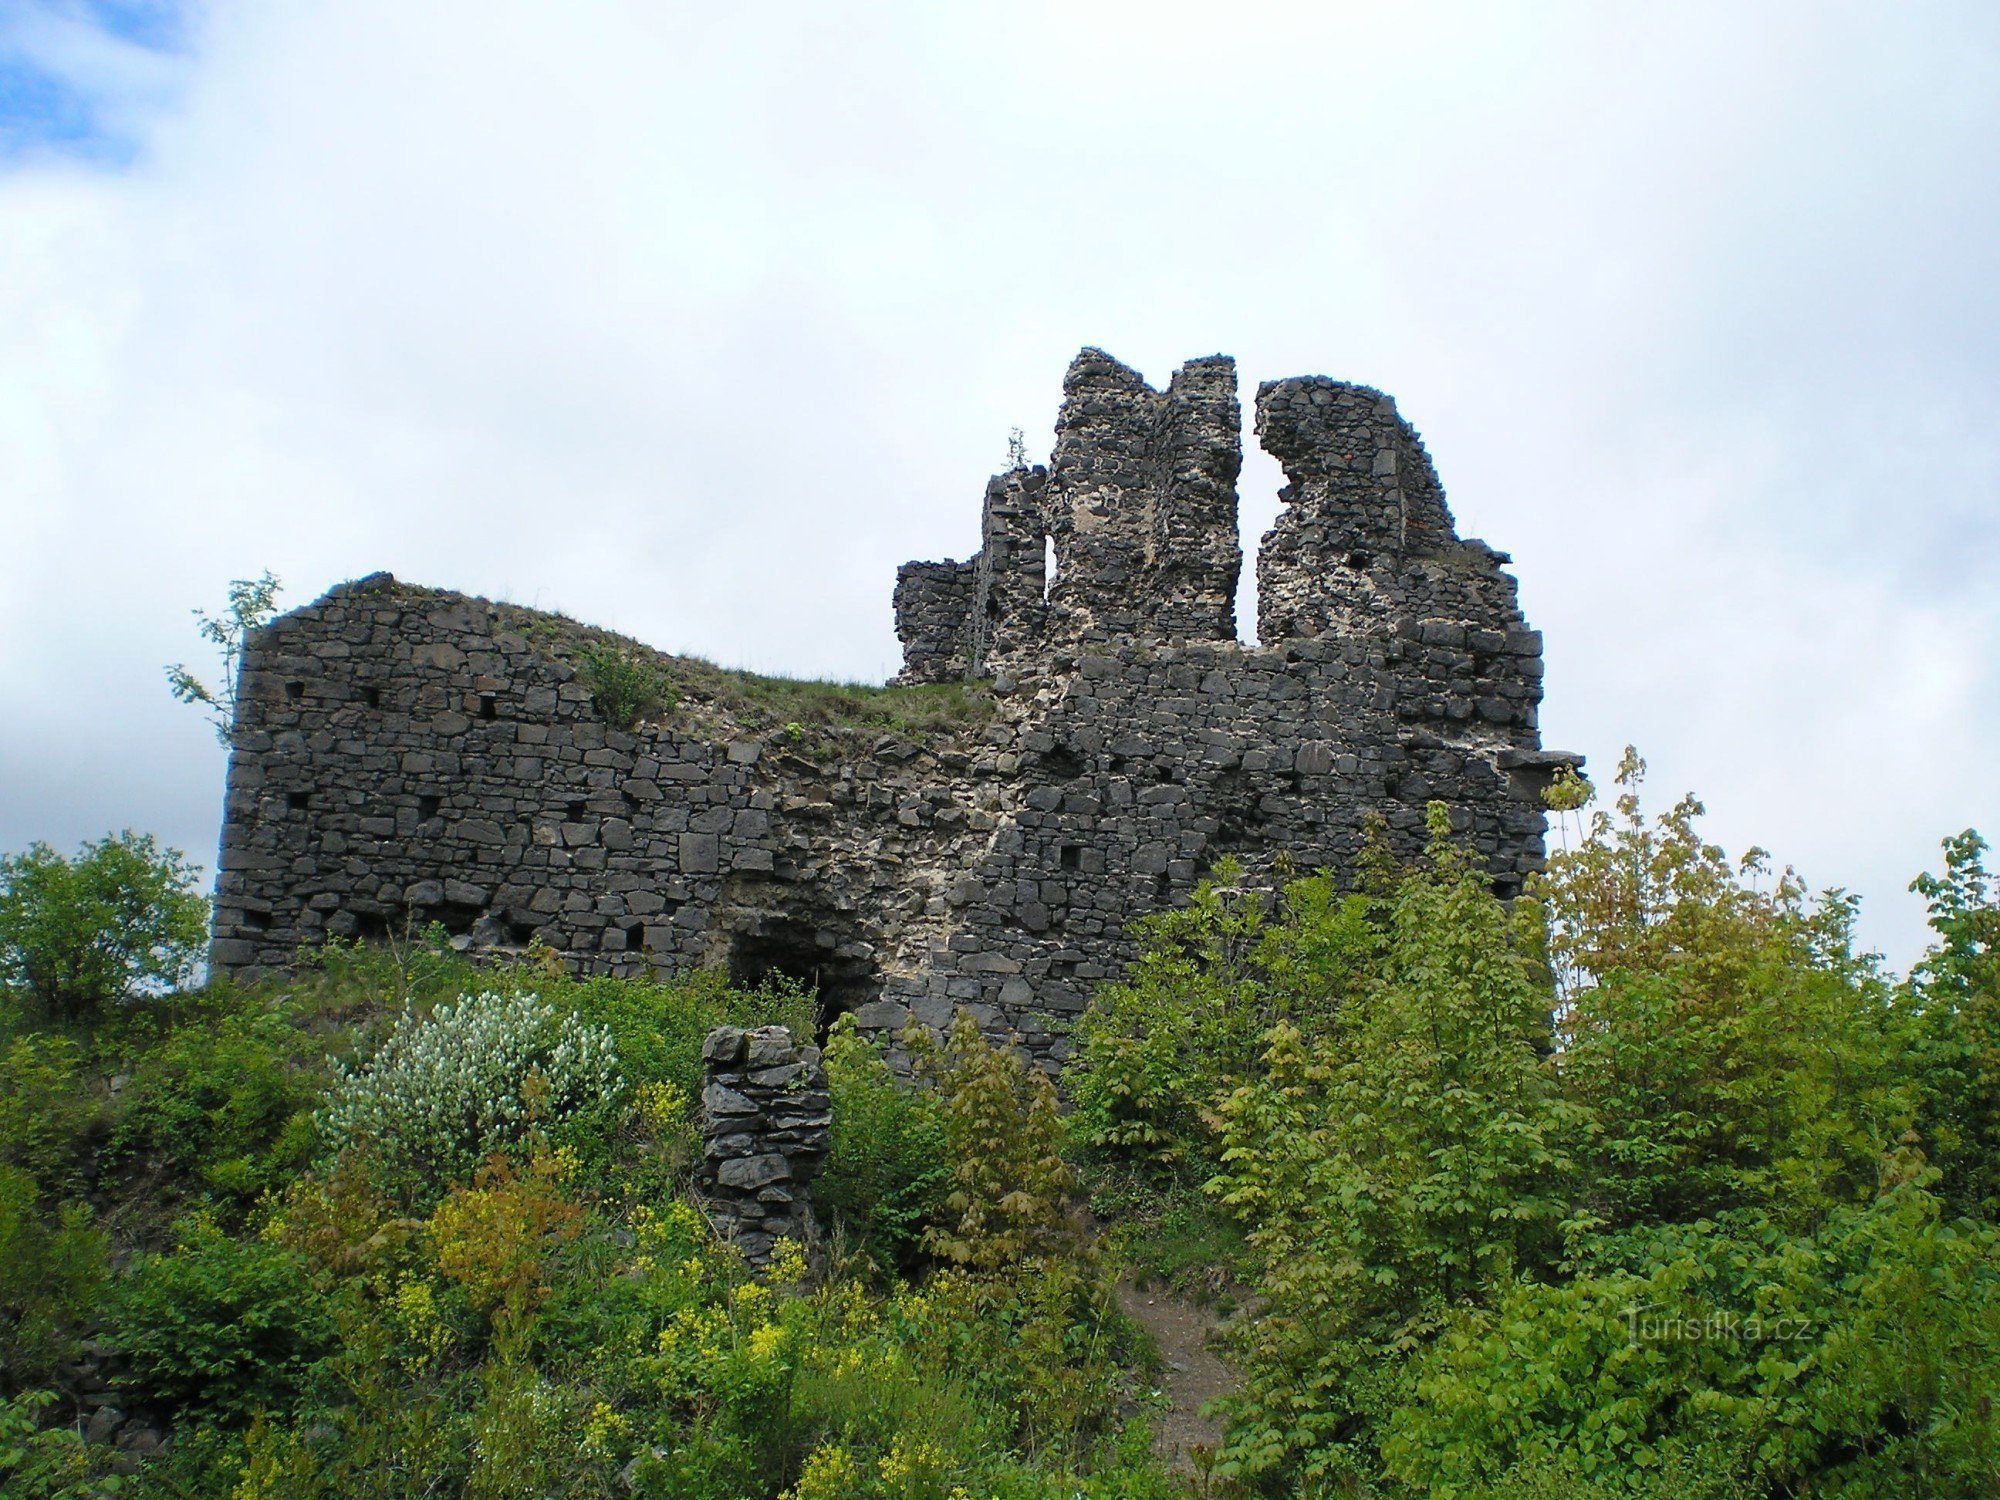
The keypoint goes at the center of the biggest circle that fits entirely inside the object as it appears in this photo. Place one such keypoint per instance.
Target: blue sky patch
(77, 80)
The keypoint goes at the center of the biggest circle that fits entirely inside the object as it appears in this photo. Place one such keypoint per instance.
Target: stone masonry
(766, 1125)
(405, 755)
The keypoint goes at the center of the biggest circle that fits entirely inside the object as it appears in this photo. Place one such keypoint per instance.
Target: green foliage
(1158, 1051)
(1848, 1362)
(118, 921)
(888, 1169)
(44, 1108)
(219, 1328)
(1390, 1176)
(52, 1269)
(1727, 1039)
(447, 1090)
(1953, 1036)
(625, 686)
(1011, 1192)
(226, 1097)
(657, 1030)
(48, 1463)
(252, 602)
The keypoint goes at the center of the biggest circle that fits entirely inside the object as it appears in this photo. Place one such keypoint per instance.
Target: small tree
(119, 921)
(252, 602)
(1011, 1191)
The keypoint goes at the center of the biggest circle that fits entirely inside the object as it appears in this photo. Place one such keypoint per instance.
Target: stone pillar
(766, 1125)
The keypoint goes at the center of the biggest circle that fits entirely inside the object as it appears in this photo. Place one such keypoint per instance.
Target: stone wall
(766, 1127)
(404, 755)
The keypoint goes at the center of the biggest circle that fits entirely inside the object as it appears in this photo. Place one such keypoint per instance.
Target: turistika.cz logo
(1653, 1323)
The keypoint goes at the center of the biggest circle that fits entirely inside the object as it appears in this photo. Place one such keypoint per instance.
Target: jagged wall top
(1140, 504)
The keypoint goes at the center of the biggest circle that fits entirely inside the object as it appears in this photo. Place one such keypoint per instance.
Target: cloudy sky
(695, 321)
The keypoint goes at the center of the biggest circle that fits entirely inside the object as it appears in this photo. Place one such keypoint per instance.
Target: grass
(1169, 1234)
(690, 693)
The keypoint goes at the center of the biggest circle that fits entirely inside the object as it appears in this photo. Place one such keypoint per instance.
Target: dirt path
(1192, 1373)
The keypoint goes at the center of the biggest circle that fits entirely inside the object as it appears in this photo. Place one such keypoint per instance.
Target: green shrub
(227, 1098)
(446, 1091)
(44, 1108)
(657, 1030)
(1952, 1039)
(1011, 1193)
(1158, 1051)
(887, 1170)
(1852, 1361)
(120, 920)
(1730, 1043)
(1387, 1173)
(220, 1328)
(51, 1270)
(624, 686)
(48, 1463)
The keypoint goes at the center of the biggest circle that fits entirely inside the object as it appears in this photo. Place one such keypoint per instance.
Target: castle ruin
(403, 756)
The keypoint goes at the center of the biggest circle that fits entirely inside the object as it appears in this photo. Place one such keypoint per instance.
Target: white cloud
(696, 322)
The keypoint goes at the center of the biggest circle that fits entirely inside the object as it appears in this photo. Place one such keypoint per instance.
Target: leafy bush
(120, 920)
(1158, 1051)
(48, 1463)
(1389, 1173)
(446, 1091)
(1853, 1361)
(226, 1097)
(219, 1328)
(657, 1030)
(51, 1270)
(497, 1238)
(44, 1108)
(1728, 1041)
(624, 685)
(1011, 1194)
(1952, 1040)
(887, 1170)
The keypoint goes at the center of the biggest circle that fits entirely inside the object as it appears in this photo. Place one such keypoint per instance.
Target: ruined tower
(405, 755)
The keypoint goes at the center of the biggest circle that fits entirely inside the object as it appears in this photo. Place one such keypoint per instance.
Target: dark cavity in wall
(1063, 762)
(811, 957)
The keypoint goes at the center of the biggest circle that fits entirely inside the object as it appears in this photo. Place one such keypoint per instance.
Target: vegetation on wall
(631, 683)
(251, 604)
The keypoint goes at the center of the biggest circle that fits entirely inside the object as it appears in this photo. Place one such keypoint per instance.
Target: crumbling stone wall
(407, 755)
(766, 1126)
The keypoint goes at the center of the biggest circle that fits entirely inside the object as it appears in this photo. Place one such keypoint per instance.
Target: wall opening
(1063, 762)
(808, 956)
(1048, 566)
